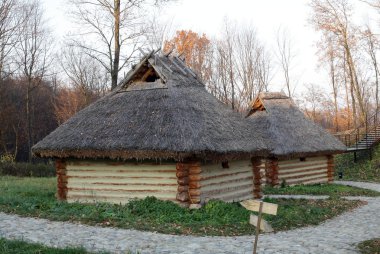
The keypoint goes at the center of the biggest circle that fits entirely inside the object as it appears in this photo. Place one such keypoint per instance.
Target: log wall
(312, 170)
(60, 166)
(228, 184)
(118, 182)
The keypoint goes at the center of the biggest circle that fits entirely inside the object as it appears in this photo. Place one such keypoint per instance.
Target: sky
(267, 16)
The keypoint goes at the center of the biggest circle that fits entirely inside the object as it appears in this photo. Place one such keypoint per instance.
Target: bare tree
(113, 31)
(252, 64)
(226, 50)
(33, 56)
(10, 19)
(371, 46)
(333, 18)
(285, 55)
(330, 55)
(314, 98)
(158, 32)
(84, 74)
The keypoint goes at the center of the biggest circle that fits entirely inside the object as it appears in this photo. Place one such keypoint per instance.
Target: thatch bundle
(290, 132)
(162, 111)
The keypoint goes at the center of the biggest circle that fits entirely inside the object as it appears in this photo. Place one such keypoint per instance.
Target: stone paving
(338, 235)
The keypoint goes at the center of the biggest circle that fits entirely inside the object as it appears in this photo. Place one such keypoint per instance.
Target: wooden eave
(257, 105)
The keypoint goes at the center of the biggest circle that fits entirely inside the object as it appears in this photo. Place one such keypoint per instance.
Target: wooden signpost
(261, 207)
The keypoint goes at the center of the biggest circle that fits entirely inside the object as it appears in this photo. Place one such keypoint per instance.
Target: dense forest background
(42, 84)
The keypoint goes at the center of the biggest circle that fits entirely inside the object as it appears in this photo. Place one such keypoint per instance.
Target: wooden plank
(226, 181)
(304, 173)
(264, 225)
(319, 179)
(222, 177)
(283, 162)
(254, 205)
(300, 166)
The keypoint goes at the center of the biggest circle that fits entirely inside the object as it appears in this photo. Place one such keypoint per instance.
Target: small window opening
(302, 159)
(225, 164)
(152, 77)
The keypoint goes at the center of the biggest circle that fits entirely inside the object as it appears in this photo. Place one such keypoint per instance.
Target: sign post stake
(258, 228)
(261, 207)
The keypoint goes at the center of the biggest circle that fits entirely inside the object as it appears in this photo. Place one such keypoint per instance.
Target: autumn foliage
(194, 48)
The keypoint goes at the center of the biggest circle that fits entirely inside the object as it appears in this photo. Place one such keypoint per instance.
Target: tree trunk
(116, 59)
(29, 121)
(355, 83)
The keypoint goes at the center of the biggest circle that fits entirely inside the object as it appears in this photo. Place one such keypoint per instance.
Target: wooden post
(188, 179)
(194, 182)
(60, 166)
(268, 172)
(258, 228)
(274, 169)
(257, 178)
(183, 182)
(330, 168)
(261, 207)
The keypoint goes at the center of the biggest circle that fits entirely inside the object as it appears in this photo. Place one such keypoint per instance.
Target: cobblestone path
(338, 235)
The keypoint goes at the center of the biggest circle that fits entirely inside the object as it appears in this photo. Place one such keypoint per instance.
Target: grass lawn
(18, 247)
(320, 189)
(370, 246)
(363, 170)
(36, 197)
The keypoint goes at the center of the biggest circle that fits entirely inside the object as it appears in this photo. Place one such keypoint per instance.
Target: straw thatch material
(290, 132)
(170, 117)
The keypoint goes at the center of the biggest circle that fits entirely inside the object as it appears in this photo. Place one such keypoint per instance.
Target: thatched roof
(290, 132)
(160, 110)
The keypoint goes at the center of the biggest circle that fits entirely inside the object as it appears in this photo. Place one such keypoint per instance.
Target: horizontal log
(181, 166)
(195, 200)
(232, 196)
(227, 175)
(181, 174)
(223, 181)
(286, 161)
(181, 188)
(194, 178)
(195, 170)
(226, 190)
(91, 199)
(194, 192)
(195, 185)
(182, 196)
(183, 181)
(302, 172)
(305, 175)
(318, 179)
(257, 194)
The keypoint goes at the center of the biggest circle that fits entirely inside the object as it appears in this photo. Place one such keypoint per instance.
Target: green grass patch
(370, 246)
(36, 197)
(363, 170)
(17, 247)
(320, 189)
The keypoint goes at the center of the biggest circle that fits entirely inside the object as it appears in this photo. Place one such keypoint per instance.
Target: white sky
(267, 16)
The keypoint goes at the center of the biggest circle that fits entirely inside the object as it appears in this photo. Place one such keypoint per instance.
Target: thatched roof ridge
(290, 132)
(171, 116)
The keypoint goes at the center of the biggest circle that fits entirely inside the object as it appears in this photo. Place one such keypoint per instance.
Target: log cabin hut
(301, 151)
(159, 133)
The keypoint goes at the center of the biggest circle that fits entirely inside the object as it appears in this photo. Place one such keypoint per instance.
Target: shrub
(27, 169)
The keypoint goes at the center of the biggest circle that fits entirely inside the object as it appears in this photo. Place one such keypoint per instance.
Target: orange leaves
(195, 48)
